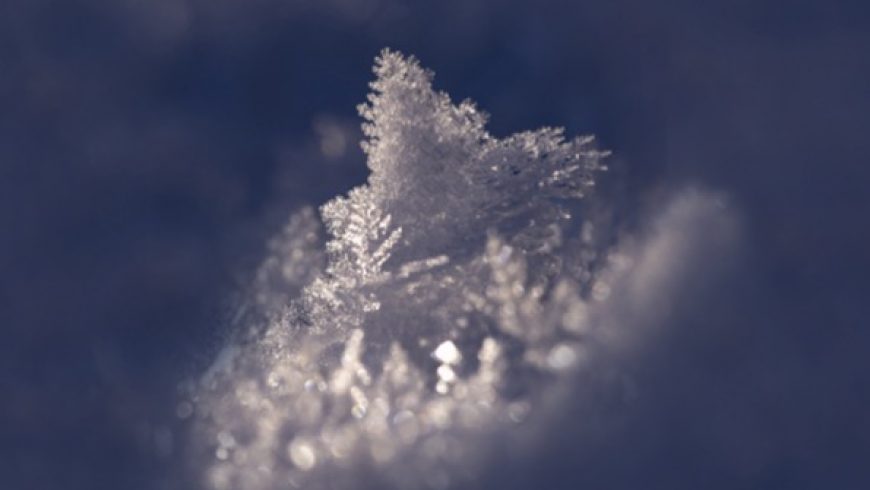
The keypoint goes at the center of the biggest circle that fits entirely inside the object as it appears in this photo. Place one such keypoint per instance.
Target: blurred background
(149, 148)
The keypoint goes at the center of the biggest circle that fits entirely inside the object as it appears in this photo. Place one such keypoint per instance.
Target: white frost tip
(302, 454)
(447, 353)
(562, 356)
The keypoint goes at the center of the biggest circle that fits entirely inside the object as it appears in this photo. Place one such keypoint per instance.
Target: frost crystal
(448, 282)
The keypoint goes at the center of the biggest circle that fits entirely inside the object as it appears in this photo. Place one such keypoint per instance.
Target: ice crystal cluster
(443, 300)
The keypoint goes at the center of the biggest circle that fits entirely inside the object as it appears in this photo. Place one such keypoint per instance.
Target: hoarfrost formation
(454, 294)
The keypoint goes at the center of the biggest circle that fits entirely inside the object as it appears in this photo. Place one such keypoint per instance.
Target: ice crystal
(447, 286)
(444, 179)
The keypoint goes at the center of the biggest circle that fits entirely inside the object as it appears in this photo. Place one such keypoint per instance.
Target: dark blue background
(147, 149)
